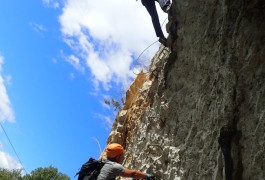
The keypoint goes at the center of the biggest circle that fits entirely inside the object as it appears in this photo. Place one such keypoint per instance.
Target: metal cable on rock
(146, 49)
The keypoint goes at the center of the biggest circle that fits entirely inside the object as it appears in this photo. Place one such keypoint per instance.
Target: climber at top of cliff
(151, 8)
(113, 168)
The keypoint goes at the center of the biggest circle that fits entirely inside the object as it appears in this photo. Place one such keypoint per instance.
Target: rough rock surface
(199, 113)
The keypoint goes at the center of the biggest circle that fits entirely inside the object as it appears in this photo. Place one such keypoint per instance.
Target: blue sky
(58, 61)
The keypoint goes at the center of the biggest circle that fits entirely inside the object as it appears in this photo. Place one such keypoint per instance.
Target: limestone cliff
(199, 113)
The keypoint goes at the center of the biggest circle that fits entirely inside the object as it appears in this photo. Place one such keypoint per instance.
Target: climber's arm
(133, 174)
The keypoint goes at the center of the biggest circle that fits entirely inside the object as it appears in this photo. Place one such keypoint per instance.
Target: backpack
(90, 170)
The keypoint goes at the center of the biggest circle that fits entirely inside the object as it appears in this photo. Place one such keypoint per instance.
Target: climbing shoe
(163, 41)
(168, 8)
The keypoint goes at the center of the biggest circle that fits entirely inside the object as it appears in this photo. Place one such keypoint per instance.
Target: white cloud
(51, 3)
(39, 28)
(54, 60)
(106, 121)
(93, 93)
(8, 162)
(75, 62)
(106, 36)
(8, 80)
(6, 112)
(72, 76)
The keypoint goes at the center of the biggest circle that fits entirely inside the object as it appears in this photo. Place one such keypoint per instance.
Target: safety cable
(13, 147)
(128, 110)
(146, 49)
(137, 89)
(138, 74)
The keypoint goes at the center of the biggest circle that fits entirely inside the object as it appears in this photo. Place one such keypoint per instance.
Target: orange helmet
(114, 150)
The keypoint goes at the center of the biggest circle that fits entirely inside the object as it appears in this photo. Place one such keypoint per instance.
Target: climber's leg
(151, 8)
(164, 4)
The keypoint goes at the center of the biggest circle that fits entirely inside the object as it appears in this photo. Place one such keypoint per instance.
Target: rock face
(199, 113)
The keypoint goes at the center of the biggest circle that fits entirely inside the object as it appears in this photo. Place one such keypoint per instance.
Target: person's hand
(150, 177)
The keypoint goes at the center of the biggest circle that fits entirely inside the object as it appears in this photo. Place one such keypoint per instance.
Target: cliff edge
(199, 112)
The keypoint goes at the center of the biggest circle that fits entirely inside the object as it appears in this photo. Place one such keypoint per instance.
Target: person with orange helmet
(113, 168)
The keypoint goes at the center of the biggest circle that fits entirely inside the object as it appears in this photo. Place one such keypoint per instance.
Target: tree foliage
(115, 103)
(6, 174)
(48, 173)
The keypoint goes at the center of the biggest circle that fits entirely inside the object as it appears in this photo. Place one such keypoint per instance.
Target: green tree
(117, 105)
(6, 174)
(49, 173)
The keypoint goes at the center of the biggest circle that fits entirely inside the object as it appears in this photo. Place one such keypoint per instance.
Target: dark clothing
(151, 8)
(163, 4)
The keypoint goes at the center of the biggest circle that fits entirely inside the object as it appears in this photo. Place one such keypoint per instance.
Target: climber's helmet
(114, 149)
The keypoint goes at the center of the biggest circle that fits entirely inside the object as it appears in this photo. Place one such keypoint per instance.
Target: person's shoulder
(118, 167)
(111, 162)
